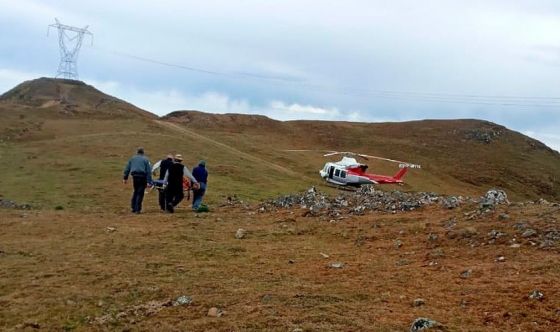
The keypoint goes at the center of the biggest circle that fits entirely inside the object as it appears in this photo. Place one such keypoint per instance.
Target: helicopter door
(331, 172)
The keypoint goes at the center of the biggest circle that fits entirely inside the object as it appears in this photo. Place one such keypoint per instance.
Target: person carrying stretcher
(163, 165)
(174, 180)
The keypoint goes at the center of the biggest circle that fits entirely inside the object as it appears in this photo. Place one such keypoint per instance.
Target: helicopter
(348, 172)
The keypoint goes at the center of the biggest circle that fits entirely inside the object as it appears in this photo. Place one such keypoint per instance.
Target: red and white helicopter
(349, 172)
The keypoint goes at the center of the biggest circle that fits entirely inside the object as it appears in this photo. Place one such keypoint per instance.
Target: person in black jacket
(140, 169)
(174, 179)
(163, 166)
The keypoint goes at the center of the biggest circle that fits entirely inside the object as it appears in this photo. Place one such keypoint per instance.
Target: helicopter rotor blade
(402, 164)
(295, 150)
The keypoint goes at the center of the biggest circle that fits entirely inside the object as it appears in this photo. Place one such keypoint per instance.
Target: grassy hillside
(75, 159)
(96, 266)
(64, 143)
(457, 156)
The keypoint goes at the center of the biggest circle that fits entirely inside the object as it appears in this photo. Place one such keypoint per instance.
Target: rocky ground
(357, 261)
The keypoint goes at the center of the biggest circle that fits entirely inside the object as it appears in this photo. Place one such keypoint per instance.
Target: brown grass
(66, 270)
(62, 270)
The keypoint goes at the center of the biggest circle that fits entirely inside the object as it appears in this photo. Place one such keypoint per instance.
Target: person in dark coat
(174, 179)
(140, 169)
(163, 165)
(200, 173)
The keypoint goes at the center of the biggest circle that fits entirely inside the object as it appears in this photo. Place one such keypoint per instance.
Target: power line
(201, 70)
(437, 97)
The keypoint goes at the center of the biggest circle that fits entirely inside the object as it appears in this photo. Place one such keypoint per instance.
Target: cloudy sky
(335, 60)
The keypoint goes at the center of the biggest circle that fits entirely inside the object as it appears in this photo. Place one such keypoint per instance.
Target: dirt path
(231, 149)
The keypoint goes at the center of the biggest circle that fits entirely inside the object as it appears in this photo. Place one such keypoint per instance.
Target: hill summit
(70, 98)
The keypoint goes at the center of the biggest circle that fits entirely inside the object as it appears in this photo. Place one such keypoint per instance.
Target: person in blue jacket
(201, 175)
(139, 167)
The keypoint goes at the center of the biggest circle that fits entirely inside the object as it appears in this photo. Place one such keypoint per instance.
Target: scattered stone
(297, 329)
(546, 244)
(536, 295)
(466, 274)
(529, 233)
(500, 259)
(324, 255)
(503, 216)
(398, 244)
(418, 302)
(240, 234)
(483, 135)
(215, 312)
(182, 300)
(402, 262)
(432, 237)
(291, 261)
(494, 197)
(421, 324)
(520, 226)
(494, 234)
(450, 202)
(9, 204)
(515, 245)
(110, 229)
(543, 201)
(266, 298)
(552, 235)
(336, 265)
(233, 201)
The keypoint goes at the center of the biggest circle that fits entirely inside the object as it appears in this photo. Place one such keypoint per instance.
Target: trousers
(198, 194)
(173, 196)
(139, 184)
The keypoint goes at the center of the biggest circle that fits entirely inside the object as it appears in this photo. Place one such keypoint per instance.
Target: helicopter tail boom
(401, 173)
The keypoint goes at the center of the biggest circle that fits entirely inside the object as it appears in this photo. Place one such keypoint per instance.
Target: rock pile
(8, 204)
(483, 135)
(356, 203)
(422, 324)
(494, 197)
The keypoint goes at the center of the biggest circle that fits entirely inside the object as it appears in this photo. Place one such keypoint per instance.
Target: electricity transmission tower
(70, 40)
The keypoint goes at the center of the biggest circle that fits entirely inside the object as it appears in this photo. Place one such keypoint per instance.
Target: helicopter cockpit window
(337, 172)
(343, 174)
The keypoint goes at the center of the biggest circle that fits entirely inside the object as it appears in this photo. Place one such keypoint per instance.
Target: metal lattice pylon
(70, 40)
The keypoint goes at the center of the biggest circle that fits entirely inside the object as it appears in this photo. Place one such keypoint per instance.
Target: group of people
(174, 180)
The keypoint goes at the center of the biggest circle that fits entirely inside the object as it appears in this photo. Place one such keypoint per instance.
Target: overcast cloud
(333, 60)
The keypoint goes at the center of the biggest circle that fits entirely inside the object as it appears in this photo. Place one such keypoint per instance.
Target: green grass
(53, 158)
